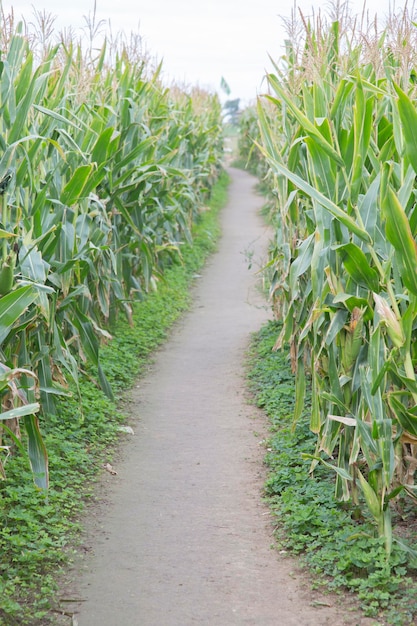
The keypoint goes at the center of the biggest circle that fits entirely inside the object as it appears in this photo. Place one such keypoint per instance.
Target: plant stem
(4, 217)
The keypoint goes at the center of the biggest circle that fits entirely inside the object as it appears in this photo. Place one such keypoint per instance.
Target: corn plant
(102, 171)
(338, 130)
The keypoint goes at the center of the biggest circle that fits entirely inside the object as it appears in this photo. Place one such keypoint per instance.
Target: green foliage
(337, 543)
(102, 174)
(249, 154)
(338, 134)
(38, 531)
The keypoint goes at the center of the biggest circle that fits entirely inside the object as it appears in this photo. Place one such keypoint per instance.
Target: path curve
(183, 537)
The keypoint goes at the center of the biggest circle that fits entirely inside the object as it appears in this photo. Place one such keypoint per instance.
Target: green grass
(342, 554)
(37, 533)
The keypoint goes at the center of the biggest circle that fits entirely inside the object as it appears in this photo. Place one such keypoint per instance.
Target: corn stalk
(340, 142)
(102, 171)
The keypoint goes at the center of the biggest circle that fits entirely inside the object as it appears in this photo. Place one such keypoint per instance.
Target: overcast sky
(199, 40)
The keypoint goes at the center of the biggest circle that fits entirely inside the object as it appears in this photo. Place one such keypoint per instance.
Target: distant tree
(232, 111)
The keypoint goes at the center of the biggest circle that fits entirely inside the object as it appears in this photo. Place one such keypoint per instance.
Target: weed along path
(183, 537)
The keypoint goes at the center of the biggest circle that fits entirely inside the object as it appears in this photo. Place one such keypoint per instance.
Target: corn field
(102, 173)
(338, 132)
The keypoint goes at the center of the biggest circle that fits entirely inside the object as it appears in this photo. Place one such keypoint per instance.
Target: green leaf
(386, 449)
(56, 116)
(303, 120)
(367, 442)
(330, 206)
(4, 234)
(73, 189)
(340, 104)
(12, 306)
(338, 320)
(408, 116)
(137, 151)
(406, 417)
(363, 126)
(300, 389)
(88, 339)
(368, 208)
(315, 418)
(104, 383)
(38, 456)
(371, 498)
(91, 346)
(33, 266)
(303, 260)
(399, 234)
(339, 470)
(20, 411)
(321, 168)
(101, 147)
(358, 267)
(351, 302)
(22, 109)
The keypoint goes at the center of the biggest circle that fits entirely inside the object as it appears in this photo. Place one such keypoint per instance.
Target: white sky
(199, 40)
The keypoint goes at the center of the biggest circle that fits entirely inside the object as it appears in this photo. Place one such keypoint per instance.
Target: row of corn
(338, 136)
(102, 171)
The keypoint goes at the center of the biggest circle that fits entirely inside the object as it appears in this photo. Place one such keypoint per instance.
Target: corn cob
(7, 275)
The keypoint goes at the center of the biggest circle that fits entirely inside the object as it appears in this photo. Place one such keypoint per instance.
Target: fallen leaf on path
(109, 468)
(320, 603)
(126, 429)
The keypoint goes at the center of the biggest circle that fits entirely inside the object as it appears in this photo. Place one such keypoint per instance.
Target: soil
(181, 535)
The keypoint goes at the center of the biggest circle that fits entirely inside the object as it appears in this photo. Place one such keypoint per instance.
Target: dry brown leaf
(109, 468)
(408, 438)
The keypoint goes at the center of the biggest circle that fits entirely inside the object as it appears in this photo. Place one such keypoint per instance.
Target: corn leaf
(406, 417)
(330, 206)
(74, 188)
(399, 234)
(12, 306)
(340, 471)
(20, 411)
(370, 497)
(358, 267)
(101, 147)
(37, 453)
(408, 116)
(303, 120)
(300, 389)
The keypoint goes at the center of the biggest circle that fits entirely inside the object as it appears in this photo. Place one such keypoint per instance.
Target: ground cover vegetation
(344, 554)
(334, 141)
(104, 173)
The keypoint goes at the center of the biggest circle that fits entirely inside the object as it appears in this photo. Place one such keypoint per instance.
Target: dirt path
(183, 537)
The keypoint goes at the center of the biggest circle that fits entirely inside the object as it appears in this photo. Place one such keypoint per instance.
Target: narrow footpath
(182, 537)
